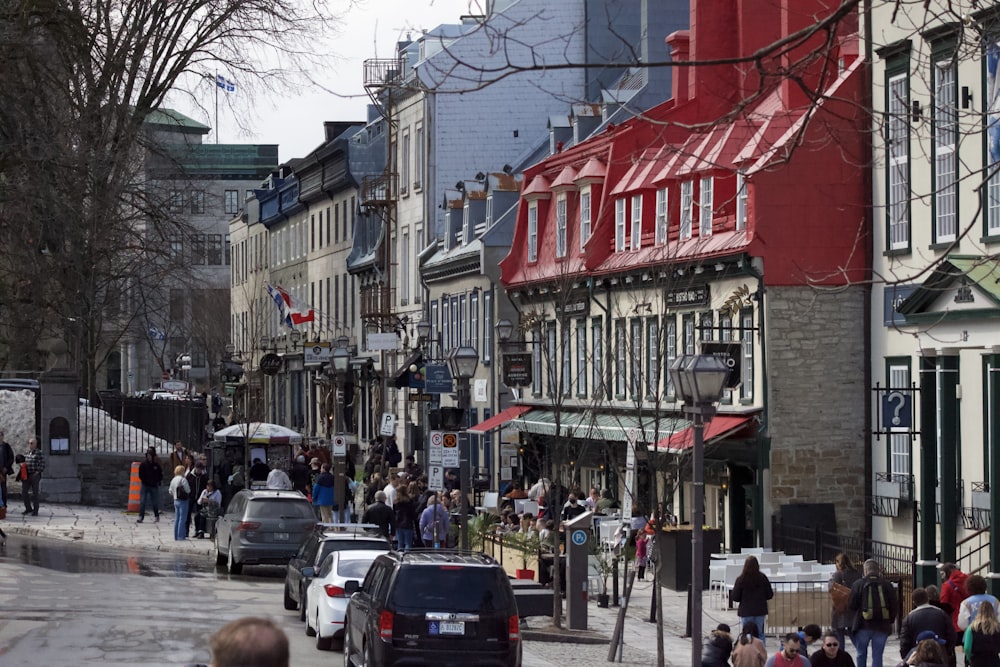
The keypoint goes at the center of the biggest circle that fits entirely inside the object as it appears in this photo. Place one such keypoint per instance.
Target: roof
(171, 119)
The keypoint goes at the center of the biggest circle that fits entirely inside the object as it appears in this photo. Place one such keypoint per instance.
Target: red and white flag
(293, 311)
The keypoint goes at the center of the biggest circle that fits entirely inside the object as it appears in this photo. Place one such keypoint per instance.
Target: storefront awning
(500, 419)
(592, 426)
(719, 428)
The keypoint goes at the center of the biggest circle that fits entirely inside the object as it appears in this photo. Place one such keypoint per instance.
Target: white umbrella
(260, 433)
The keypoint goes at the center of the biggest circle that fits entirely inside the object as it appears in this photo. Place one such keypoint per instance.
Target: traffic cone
(134, 489)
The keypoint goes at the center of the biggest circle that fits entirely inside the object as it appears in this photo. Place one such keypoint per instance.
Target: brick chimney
(679, 45)
(714, 33)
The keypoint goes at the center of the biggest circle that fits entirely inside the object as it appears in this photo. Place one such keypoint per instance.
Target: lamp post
(341, 360)
(464, 360)
(700, 380)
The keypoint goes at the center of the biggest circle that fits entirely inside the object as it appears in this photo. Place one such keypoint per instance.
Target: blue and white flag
(156, 334)
(224, 83)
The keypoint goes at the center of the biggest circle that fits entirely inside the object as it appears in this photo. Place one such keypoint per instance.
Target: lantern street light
(341, 361)
(700, 380)
(504, 329)
(464, 360)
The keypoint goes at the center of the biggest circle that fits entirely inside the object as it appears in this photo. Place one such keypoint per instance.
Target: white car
(326, 600)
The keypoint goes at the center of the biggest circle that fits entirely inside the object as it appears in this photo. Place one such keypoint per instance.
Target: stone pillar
(60, 435)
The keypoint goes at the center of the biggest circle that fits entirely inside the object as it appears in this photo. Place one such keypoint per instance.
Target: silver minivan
(262, 527)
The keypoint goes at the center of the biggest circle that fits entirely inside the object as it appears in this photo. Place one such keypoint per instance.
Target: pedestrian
(809, 635)
(177, 455)
(434, 523)
(278, 479)
(180, 491)
(34, 464)
(752, 590)
(716, 651)
(381, 515)
(923, 619)
(405, 511)
(209, 505)
(299, 475)
(831, 652)
(196, 477)
(642, 553)
(928, 652)
(322, 494)
(249, 641)
(982, 639)
(841, 619)
(259, 471)
(934, 597)
(6, 467)
(749, 650)
(150, 478)
(789, 655)
(975, 586)
(873, 600)
(953, 589)
(572, 508)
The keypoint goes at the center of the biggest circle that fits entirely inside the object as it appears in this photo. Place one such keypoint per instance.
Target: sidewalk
(115, 528)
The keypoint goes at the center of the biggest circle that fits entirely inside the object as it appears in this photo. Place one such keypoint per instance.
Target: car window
(325, 568)
(276, 508)
(352, 568)
(377, 582)
(329, 546)
(452, 588)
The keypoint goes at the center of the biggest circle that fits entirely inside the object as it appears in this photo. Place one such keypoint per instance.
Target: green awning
(593, 426)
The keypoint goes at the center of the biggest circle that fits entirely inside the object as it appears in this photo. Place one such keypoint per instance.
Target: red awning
(500, 419)
(719, 428)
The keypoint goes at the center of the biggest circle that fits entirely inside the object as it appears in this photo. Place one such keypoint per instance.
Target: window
(561, 225)
(898, 162)
(705, 328)
(670, 351)
(726, 336)
(312, 232)
(621, 358)
(404, 269)
(418, 156)
(473, 320)
(231, 200)
(536, 362)
(197, 249)
(992, 63)
(898, 377)
(620, 225)
(687, 201)
(434, 340)
(457, 319)
(176, 201)
(551, 351)
(487, 327)
(597, 338)
(705, 207)
(945, 156)
(228, 250)
(177, 248)
(746, 336)
(177, 305)
(584, 217)
(214, 249)
(636, 236)
(661, 216)
(635, 353)
(336, 224)
(688, 323)
(404, 163)
(581, 358)
(741, 201)
(197, 201)
(446, 343)
(329, 238)
(533, 231)
(565, 380)
(652, 358)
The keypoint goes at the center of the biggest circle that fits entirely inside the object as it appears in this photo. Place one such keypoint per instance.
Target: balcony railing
(382, 72)
(977, 515)
(891, 490)
(379, 190)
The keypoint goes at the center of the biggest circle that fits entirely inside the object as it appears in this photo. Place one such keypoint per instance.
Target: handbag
(839, 596)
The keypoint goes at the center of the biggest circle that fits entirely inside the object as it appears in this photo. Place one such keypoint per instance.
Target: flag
(224, 83)
(293, 311)
(156, 334)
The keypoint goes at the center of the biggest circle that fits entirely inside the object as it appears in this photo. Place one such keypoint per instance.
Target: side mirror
(351, 586)
(308, 572)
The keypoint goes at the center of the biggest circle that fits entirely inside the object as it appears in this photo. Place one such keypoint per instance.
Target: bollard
(134, 490)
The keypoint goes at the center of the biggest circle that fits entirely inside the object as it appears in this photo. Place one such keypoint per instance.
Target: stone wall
(817, 397)
(105, 477)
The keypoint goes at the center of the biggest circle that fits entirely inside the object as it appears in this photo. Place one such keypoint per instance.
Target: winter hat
(930, 634)
(722, 627)
(300, 458)
(314, 462)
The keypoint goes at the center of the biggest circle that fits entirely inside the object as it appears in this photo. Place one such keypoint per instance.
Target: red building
(733, 215)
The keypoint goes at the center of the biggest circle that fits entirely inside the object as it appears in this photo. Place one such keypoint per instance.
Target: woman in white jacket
(180, 490)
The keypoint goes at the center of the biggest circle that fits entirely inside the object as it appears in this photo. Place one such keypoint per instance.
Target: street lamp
(700, 380)
(341, 360)
(464, 360)
(504, 329)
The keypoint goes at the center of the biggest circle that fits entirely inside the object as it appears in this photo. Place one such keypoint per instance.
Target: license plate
(452, 627)
(281, 537)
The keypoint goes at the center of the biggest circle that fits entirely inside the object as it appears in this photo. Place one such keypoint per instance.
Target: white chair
(769, 557)
(594, 579)
(728, 581)
(491, 503)
(791, 558)
(526, 507)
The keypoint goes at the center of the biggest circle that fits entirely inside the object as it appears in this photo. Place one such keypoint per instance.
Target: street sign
(731, 354)
(436, 446)
(516, 369)
(435, 477)
(897, 410)
(270, 364)
(449, 451)
(388, 426)
(339, 445)
(317, 353)
(438, 379)
(579, 537)
(420, 397)
(383, 341)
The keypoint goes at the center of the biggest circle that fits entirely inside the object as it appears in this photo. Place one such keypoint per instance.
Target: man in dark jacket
(380, 514)
(6, 466)
(926, 617)
(873, 596)
(300, 475)
(151, 476)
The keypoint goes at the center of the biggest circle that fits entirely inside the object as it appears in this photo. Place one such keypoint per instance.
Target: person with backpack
(975, 587)
(873, 601)
(953, 590)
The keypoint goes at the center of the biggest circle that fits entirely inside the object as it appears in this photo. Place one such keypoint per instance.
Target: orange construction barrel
(134, 489)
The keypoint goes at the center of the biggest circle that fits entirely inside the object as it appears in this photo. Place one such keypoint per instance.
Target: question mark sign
(897, 398)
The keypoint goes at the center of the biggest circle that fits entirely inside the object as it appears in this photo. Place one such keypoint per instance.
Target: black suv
(441, 607)
(321, 542)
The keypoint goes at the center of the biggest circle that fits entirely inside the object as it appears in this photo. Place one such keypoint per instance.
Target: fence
(126, 424)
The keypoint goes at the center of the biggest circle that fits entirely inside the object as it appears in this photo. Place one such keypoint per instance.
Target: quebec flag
(224, 83)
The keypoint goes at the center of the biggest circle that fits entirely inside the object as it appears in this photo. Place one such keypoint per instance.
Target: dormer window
(705, 207)
(687, 203)
(533, 231)
(741, 201)
(636, 240)
(584, 217)
(661, 216)
(620, 225)
(561, 225)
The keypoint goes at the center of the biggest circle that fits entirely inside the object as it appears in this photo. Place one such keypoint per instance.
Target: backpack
(873, 604)
(392, 454)
(182, 493)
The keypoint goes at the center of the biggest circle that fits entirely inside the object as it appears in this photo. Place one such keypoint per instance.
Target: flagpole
(216, 106)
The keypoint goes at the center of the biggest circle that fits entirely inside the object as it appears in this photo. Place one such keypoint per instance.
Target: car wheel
(336, 644)
(234, 566)
(310, 630)
(347, 646)
(220, 558)
(290, 603)
(323, 643)
(368, 662)
(302, 605)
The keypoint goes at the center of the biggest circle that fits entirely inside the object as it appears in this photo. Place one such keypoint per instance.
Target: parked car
(445, 608)
(262, 526)
(327, 596)
(323, 540)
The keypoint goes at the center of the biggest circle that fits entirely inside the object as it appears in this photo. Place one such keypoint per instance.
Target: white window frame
(621, 358)
(661, 216)
(585, 219)
(404, 163)
(652, 358)
(487, 327)
(620, 225)
(561, 224)
(687, 201)
(898, 162)
(705, 211)
(533, 231)
(636, 222)
(747, 338)
(670, 351)
(945, 146)
(636, 360)
(741, 201)
(418, 156)
(567, 359)
(536, 361)
(473, 337)
(404, 268)
(597, 344)
(581, 358)
(899, 438)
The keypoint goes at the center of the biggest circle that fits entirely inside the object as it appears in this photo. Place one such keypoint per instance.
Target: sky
(371, 30)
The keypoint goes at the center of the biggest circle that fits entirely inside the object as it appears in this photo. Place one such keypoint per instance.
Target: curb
(563, 636)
